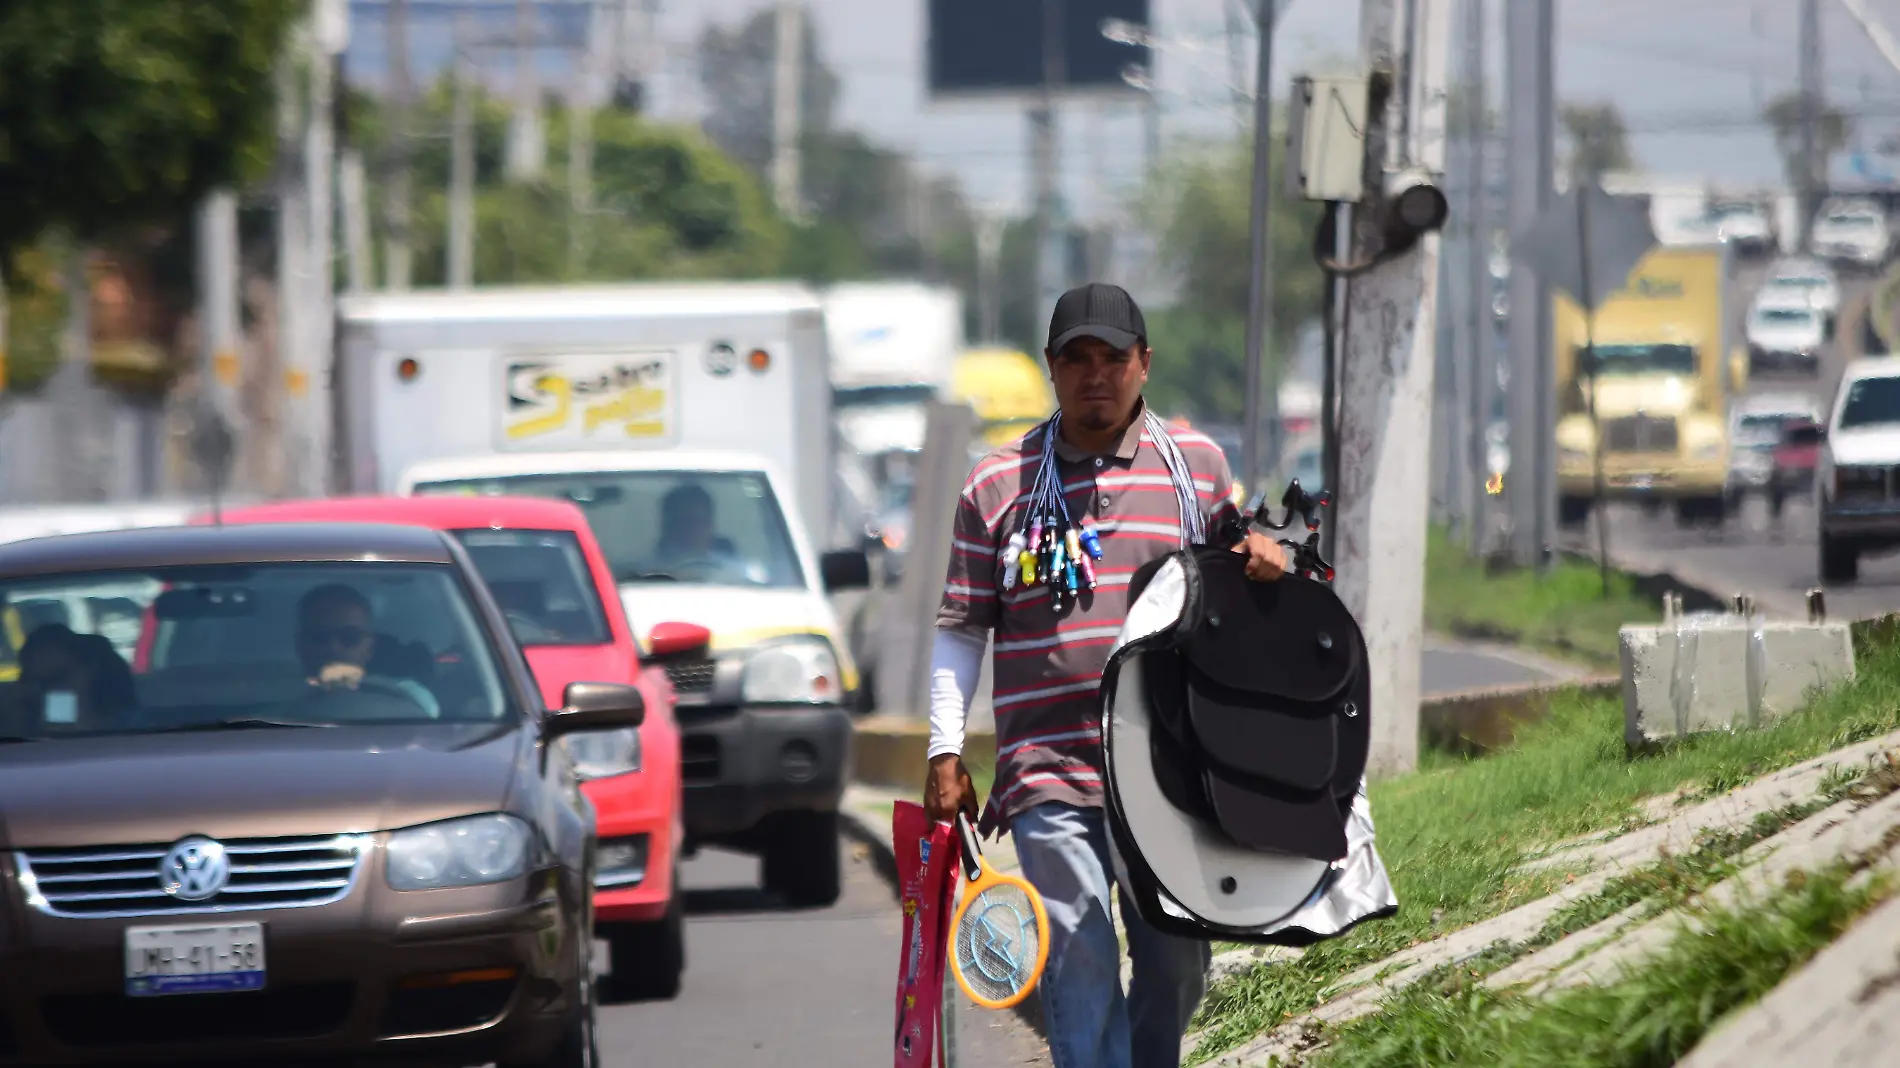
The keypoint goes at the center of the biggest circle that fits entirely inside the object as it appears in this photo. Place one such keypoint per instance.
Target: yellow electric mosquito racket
(999, 937)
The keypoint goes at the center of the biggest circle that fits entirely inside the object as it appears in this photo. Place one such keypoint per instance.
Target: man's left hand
(1267, 559)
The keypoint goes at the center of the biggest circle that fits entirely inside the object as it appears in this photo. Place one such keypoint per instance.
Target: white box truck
(692, 423)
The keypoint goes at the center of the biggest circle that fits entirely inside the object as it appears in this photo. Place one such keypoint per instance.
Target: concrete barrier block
(1694, 675)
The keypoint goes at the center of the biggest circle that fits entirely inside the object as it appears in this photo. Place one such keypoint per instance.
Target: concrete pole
(1482, 358)
(294, 268)
(1386, 373)
(310, 393)
(1528, 117)
(527, 152)
(1052, 267)
(989, 275)
(397, 249)
(1260, 258)
(461, 266)
(1813, 168)
(788, 72)
(580, 178)
(352, 204)
(219, 413)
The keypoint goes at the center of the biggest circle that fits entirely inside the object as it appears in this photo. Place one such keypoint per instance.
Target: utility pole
(1237, 59)
(217, 427)
(1260, 258)
(398, 244)
(1386, 373)
(352, 205)
(308, 385)
(580, 172)
(294, 267)
(1813, 168)
(527, 151)
(1529, 105)
(1481, 361)
(1052, 275)
(461, 265)
(788, 69)
(989, 274)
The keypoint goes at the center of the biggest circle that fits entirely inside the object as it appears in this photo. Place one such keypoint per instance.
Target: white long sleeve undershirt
(956, 663)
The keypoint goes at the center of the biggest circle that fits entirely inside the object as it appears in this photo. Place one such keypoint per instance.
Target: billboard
(990, 48)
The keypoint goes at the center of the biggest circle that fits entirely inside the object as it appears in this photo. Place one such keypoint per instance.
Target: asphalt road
(1775, 562)
(767, 986)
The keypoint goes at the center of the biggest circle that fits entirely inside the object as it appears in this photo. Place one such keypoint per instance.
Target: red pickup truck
(1796, 457)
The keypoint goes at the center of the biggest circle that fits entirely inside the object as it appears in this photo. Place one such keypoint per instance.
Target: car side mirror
(595, 706)
(677, 641)
(845, 569)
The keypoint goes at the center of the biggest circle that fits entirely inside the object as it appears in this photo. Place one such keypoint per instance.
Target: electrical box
(1326, 138)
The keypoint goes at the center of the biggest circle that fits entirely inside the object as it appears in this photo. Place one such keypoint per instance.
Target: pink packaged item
(926, 872)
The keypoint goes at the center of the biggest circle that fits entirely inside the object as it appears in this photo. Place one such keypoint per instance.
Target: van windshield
(1784, 317)
(718, 528)
(1871, 401)
(1637, 359)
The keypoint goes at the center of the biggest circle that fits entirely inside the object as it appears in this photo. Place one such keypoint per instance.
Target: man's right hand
(948, 789)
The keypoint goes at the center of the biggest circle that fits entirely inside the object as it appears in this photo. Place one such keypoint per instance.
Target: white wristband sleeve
(956, 661)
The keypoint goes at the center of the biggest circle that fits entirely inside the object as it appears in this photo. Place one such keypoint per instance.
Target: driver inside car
(688, 542)
(336, 640)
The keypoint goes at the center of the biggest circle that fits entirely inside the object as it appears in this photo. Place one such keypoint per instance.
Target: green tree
(1599, 140)
(666, 202)
(1831, 131)
(1198, 205)
(119, 113)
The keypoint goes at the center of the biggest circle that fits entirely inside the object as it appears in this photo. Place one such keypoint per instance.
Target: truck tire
(801, 859)
(649, 958)
(1840, 561)
(1573, 511)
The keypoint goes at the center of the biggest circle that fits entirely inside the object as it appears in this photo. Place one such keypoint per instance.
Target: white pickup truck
(1859, 498)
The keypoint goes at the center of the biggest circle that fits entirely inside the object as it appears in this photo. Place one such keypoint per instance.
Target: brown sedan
(270, 792)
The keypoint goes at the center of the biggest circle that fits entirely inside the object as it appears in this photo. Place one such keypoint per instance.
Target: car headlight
(471, 851)
(799, 670)
(599, 754)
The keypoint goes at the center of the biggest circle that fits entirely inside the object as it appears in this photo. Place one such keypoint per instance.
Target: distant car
(1811, 280)
(1745, 226)
(1852, 233)
(1784, 334)
(322, 815)
(1859, 503)
(540, 560)
(1796, 456)
(1755, 431)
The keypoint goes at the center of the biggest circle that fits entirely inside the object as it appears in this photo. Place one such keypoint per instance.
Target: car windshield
(1638, 359)
(247, 645)
(541, 580)
(721, 528)
(1852, 221)
(1761, 430)
(1799, 281)
(1784, 317)
(874, 396)
(1870, 401)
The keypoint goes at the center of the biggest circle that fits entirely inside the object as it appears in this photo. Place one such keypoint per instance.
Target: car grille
(691, 676)
(1639, 433)
(1863, 483)
(266, 873)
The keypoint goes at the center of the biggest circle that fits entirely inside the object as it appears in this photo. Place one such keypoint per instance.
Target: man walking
(1109, 470)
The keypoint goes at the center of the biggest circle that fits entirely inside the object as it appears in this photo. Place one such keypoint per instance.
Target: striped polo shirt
(1046, 666)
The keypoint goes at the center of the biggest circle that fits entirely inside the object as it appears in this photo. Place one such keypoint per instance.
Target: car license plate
(204, 959)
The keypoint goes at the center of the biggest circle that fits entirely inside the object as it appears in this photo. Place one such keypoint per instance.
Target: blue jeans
(1064, 854)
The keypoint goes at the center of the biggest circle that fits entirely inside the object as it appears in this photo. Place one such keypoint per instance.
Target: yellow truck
(1661, 385)
(1009, 390)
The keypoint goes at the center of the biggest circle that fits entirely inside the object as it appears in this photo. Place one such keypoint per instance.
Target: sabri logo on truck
(589, 399)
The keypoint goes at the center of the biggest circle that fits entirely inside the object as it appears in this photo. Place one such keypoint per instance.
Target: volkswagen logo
(195, 869)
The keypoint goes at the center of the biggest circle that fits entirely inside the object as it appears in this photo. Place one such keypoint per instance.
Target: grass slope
(1562, 611)
(1454, 833)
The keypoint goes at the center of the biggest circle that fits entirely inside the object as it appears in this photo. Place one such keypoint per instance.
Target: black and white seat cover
(1236, 726)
